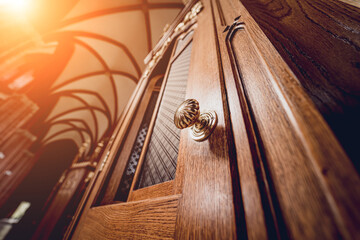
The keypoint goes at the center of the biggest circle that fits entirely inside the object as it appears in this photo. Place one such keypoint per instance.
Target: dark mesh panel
(128, 176)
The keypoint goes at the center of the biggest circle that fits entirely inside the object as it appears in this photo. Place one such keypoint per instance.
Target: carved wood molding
(294, 154)
(188, 20)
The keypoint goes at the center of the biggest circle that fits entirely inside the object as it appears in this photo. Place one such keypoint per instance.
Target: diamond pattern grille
(128, 176)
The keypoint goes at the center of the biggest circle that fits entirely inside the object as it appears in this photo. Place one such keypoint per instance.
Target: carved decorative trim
(237, 25)
(268, 200)
(188, 20)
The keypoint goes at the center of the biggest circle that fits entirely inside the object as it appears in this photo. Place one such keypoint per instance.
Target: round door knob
(188, 115)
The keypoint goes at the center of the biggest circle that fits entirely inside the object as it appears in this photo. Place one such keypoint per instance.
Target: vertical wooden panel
(258, 212)
(312, 182)
(320, 41)
(206, 210)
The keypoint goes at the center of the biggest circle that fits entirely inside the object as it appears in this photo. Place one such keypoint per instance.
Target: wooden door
(194, 198)
(272, 168)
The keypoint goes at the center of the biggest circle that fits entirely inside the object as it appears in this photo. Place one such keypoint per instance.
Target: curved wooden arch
(106, 67)
(78, 130)
(74, 110)
(91, 74)
(103, 12)
(74, 33)
(70, 120)
(89, 107)
(145, 6)
(82, 91)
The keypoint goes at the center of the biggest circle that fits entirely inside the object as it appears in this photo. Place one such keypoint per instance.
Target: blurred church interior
(68, 69)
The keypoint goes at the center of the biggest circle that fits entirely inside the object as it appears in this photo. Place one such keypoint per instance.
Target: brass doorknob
(188, 115)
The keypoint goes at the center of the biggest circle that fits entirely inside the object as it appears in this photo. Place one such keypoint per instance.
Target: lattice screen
(161, 157)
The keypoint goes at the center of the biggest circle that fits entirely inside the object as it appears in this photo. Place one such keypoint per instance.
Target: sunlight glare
(19, 6)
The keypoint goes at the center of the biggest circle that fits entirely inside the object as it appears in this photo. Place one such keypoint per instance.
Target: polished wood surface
(311, 188)
(320, 41)
(147, 219)
(258, 208)
(206, 209)
(149, 133)
(106, 159)
(158, 190)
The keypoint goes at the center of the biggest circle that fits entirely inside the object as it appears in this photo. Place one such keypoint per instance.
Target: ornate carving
(237, 25)
(189, 18)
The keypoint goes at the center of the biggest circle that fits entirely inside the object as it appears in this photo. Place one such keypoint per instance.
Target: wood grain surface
(313, 186)
(320, 41)
(206, 209)
(148, 219)
(258, 209)
(157, 190)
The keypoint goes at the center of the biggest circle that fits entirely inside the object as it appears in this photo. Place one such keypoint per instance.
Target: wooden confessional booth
(259, 162)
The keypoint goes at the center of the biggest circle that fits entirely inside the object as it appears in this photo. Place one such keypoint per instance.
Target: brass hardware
(202, 124)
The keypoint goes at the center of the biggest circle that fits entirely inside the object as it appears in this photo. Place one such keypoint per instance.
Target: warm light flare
(19, 6)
